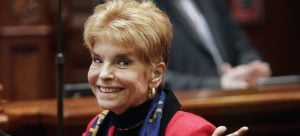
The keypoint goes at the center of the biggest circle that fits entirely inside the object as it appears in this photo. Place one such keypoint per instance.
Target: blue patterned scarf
(150, 126)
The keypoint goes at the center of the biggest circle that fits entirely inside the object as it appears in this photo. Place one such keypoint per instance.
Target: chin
(108, 105)
(114, 108)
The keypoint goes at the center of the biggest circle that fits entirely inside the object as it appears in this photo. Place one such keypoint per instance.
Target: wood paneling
(24, 12)
(270, 110)
(26, 49)
(275, 36)
(27, 68)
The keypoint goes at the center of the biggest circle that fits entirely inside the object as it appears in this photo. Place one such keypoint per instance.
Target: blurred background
(28, 41)
(28, 45)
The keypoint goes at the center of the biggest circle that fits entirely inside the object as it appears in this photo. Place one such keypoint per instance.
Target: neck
(132, 117)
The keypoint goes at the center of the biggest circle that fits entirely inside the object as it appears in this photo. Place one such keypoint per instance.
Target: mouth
(109, 89)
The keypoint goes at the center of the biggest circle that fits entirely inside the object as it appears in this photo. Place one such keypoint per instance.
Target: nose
(106, 72)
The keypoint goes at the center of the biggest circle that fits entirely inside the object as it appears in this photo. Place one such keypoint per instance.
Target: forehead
(122, 46)
(111, 48)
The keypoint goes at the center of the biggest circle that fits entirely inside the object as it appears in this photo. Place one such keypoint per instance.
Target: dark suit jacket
(190, 64)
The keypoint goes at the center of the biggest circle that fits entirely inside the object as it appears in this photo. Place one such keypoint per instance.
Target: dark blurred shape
(77, 90)
(3, 134)
(290, 79)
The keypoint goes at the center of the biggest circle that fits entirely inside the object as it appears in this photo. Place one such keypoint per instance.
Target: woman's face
(117, 77)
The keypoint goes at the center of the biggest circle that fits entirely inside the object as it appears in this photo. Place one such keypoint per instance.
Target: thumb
(225, 67)
(219, 131)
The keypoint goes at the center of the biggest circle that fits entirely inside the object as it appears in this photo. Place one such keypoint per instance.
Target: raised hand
(220, 131)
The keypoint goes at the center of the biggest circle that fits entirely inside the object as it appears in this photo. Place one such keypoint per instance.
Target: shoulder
(90, 124)
(185, 124)
(91, 127)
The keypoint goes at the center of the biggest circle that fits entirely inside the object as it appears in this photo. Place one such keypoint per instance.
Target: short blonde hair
(140, 26)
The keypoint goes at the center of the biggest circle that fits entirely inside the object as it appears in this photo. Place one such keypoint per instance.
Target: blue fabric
(101, 123)
(152, 124)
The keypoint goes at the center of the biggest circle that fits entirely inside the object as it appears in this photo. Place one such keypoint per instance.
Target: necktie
(198, 22)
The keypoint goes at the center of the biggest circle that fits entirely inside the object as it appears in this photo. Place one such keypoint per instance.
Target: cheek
(142, 86)
(137, 82)
(134, 77)
(92, 74)
(137, 89)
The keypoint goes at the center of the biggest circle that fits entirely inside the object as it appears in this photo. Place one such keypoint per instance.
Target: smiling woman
(129, 42)
(118, 78)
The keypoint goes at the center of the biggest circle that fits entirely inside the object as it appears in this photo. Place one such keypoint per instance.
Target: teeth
(109, 89)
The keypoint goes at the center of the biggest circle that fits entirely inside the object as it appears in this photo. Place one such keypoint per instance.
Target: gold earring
(152, 93)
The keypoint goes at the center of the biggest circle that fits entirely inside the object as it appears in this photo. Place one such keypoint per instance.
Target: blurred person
(209, 49)
(129, 43)
(3, 133)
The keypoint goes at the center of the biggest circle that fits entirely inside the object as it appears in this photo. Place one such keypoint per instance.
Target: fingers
(235, 78)
(261, 68)
(225, 67)
(257, 70)
(239, 132)
(219, 131)
(243, 76)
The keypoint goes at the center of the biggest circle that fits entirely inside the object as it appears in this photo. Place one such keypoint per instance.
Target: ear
(157, 74)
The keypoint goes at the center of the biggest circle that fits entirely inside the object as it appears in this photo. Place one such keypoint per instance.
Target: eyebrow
(117, 56)
(94, 54)
(124, 55)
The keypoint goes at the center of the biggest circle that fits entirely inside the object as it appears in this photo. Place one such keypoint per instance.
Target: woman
(129, 43)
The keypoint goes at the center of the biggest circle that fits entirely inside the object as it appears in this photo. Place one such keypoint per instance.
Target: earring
(152, 93)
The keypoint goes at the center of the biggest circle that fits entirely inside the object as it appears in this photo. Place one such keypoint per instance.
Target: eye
(96, 60)
(123, 62)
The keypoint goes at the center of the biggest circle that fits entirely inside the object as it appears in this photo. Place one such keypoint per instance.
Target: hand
(220, 131)
(234, 77)
(244, 76)
(257, 70)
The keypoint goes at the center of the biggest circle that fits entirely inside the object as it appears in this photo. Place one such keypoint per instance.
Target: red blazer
(188, 124)
(181, 124)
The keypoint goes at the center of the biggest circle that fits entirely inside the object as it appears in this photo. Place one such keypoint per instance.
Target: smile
(109, 89)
